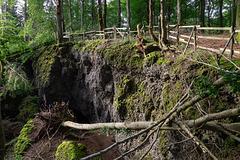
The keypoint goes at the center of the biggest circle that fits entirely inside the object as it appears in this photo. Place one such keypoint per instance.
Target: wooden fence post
(104, 34)
(178, 32)
(115, 32)
(83, 36)
(168, 31)
(195, 39)
(69, 36)
(232, 42)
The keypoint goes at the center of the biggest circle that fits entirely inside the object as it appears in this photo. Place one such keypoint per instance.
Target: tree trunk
(238, 19)
(163, 26)
(119, 14)
(104, 13)
(209, 12)
(201, 12)
(153, 12)
(62, 16)
(150, 28)
(25, 19)
(82, 16)
(169, 11)
(92, 13)
(2, 135)
(70, 15)
(179, 6)
(59, 24)
(99, 10)
(220, 13)
(128, 14)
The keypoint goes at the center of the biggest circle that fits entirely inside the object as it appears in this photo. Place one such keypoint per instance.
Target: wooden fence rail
(114, 33)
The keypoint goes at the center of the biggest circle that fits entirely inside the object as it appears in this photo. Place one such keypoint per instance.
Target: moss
(44, 64)
(70, 150)
(23, 142)
(28, 108)
(132, 98)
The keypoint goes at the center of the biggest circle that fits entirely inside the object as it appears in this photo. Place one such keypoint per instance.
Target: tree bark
(82, 16)
(2, 135)
(92, 13)
(162, 26)
(169, 11)
(62, 18)
(128, 14)
(150, 28)
(59, 24)
(104, 14)
(119, 13)
(179, 6)
(70, 15)
(238, 19)
(220, 13)
(153, 12)
(25, 19)
(209, 12)
(238, 15)
(202, 13)
(99, 10)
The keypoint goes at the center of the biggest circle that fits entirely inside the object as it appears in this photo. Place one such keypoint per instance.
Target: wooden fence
(174, 33)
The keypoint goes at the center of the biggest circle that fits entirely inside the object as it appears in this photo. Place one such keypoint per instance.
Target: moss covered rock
(23, 142)
(70, 150)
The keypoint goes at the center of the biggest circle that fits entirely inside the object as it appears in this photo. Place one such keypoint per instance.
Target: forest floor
(44, 148)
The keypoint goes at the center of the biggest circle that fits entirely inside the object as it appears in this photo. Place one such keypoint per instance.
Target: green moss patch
(70, 150)
(23, 142)
(28, 108)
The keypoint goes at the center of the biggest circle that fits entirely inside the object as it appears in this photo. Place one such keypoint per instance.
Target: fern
(16, 81)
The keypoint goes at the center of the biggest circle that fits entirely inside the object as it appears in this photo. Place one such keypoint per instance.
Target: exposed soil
(46, 141)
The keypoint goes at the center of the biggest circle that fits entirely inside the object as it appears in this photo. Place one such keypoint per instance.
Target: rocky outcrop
(113, 81)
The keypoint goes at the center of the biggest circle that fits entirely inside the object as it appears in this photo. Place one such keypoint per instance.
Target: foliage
(70, 150)
(233, 80)
(16, 82)
(203, 84)
(23, 142)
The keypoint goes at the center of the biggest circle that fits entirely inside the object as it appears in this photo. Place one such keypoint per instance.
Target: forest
(119, 79)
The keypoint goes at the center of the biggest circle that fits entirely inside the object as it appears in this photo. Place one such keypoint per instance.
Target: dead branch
(196, 140)
(214, 116)
(134, 149)
(149, 149)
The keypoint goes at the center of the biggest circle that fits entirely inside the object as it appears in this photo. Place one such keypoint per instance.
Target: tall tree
(99, 10)
(119, 13)
(169, 6)
(179, 6)
(104, 14)
(151, 21)
(62, 17)
(162, 26)
(59, 21)
(202, 12)
(128, 14)
(153, 12)
(238, 17)
(70, 15)
(209, 11)
(220, 13)
(92, 13)
(82, 15)
(25, 19)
